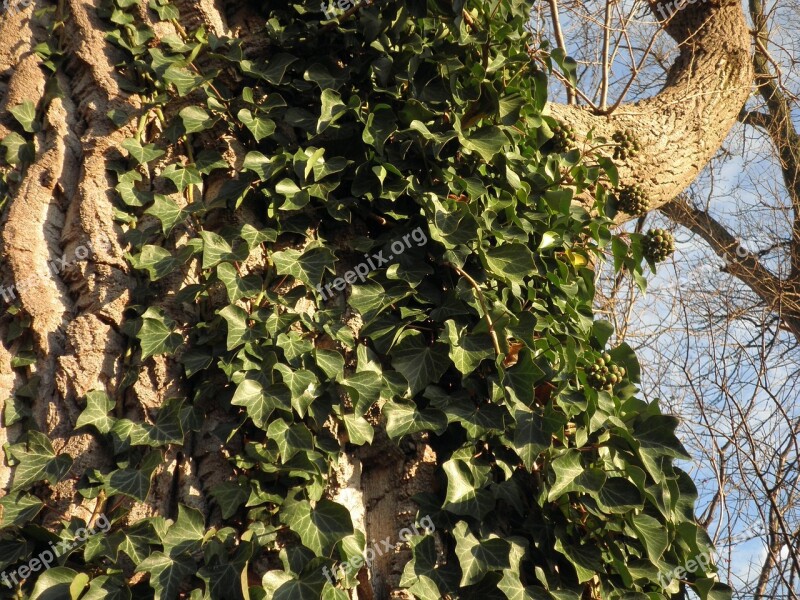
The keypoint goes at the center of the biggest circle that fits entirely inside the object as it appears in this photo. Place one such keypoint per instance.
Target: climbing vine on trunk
(353, 230)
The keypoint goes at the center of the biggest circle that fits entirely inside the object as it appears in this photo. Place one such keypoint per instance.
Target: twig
(482, 300)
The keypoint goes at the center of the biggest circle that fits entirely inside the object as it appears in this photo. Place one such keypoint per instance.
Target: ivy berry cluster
(627, 145)
(563, 138)
(658, 244)
(604, 374)
(633, 200)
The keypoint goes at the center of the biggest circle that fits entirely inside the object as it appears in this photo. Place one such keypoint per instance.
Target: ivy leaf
(98, 405)
(128, 482)
(467, 351)
(620, 496)
(195, 119)
(486, 141)
(531, 436)
(571, 475)
(303, 385)
(359, 430)
(229, 496)
(157, 335)
(652, 534)
(57, 583)
(418, 362)
(186, 533)
(365, 387)
(38, 461)
(403, 418)
(238, 330)
(260, 127)
(182, 177)
(217, 249)
(238, 287)
(107, 588)
(320, 527)
(512, 262)
(166, 211)
(18, 150)
(291, 439)
(157, 261)
(142, 154)
(18, 508)
(251, 395)
(307, 266)
(478, 557)
(465, 480)
(184, 80)
(167, 574)
(25, 114)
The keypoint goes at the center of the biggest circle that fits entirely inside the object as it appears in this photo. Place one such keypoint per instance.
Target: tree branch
(681, 128)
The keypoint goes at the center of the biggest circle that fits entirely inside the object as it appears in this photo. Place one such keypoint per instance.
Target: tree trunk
(63, 206)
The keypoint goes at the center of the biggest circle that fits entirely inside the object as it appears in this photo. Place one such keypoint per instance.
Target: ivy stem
(482, 300)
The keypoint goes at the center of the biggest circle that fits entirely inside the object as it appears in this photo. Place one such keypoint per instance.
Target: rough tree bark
(65, 201)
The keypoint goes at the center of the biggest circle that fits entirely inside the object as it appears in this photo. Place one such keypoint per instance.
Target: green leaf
(142, 154)
(359, 430)
(260, 127)
(403, 418)
(307, 266)
(107, 588)
(418, 362)
(195, 119)
(18, 508)
(182, 177)
(238, 330)
(320, 527)
(236, 286)
(478, 557)
(38, 461)
(167, 574)
(259, 403)
(184, 80)
(512, 262)
(465, 480)
(59, 583)
(98, 405)
(25, 114)
(532, 436)
(290, 439)
(166, 211)
(571, 476)
(217, 249)
(365, 388)
(620, 496)
(186, 533)
(128, 482)
(229, 496)
(157, 261)
(486, 141)
(157, 334)
(18, 150)
(652, 534)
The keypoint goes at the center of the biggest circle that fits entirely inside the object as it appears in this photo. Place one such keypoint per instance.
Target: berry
(603, 374)
(632, 200)
(563, 138)
(627, 146)
(658, 244)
